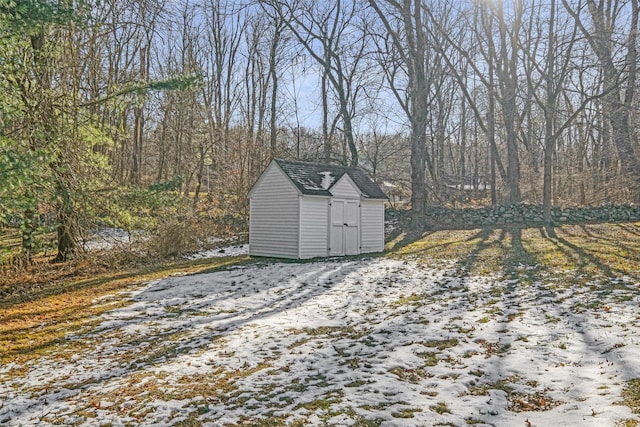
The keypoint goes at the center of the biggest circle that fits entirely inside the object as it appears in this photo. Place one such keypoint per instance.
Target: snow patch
(327, 180)
(233, 250)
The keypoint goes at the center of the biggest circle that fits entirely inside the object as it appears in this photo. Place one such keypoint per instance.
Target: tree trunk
(507, 69)
(199, 176)
(412, 48)
(418, 84)
(326, 140)
(67, 229)
(138, 114)
(273, 123)
(27, 231)
(549, 117)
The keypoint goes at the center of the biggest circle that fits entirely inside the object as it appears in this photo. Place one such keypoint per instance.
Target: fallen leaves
(538, 401)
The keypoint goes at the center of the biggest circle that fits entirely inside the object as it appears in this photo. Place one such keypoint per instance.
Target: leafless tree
(406, 39)
(619, 71)
(330, 35)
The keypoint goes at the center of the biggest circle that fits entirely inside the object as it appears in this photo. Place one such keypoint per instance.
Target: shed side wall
(273, 220)
(314, 219)
(372, 226)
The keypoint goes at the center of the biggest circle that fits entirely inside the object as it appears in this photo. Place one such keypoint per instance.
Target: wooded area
(117, 112)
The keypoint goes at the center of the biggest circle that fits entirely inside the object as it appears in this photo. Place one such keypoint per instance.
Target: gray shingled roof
(317, 178)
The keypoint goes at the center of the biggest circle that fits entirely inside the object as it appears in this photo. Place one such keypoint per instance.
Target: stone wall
(527, 215)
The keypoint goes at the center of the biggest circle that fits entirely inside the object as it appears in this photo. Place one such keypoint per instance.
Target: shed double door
(345, 216)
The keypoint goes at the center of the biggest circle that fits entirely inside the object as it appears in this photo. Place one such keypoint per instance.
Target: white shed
(304, 210)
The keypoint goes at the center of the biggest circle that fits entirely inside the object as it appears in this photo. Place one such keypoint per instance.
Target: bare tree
(619, 80)
(405, 29)
(473, 54)
(274, 77)
(329, 34)
(222, 39)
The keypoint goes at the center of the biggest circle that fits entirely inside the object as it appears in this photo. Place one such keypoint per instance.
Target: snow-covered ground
(381, 341)
(222, 252)
(107, 238)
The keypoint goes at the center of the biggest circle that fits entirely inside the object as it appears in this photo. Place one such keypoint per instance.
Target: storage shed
(304, 210)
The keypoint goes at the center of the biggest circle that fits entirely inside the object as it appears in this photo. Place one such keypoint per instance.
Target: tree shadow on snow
(272, 287)
(172, 317)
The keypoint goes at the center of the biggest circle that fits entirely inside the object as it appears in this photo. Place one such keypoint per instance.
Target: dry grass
(591, 251)
(40, 306)
(631, 395)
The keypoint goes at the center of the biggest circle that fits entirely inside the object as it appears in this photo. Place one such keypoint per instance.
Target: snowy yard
(381, 341)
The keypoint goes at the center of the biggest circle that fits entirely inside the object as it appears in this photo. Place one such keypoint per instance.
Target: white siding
(314, 219)
(345, 188)
(273, 220)
(372, 226)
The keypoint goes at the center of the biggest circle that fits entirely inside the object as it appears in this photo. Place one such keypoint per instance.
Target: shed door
(344, 227)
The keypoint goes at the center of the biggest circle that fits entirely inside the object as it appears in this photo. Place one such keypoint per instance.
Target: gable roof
(318, 178)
